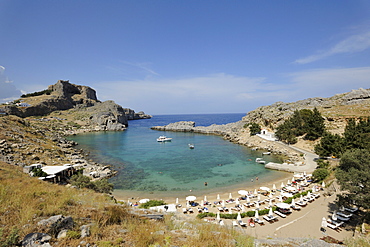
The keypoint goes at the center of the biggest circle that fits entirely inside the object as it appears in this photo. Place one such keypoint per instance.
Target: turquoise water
(149, 166)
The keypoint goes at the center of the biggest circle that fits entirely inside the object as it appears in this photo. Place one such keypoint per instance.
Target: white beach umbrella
(256, 215)
(323, 184)
(301, 198)
(293, 179)
(230, 212)
(230, 196)
(309, 194)
(270, 212)
(257, 204)
(218, 218)
(270, 196)
(243, 208)
(190, 198)
(236, 201)
(293, 202)
(282, 185)
(258, 197)
(239, 217)
(223, 203)
(273, 187)
(202, 203)
(297, 176)
(288, 181)
(324, 223)
(313, 189)
(255, 191)
(205, 198)
(144, 200)
(270, 203)
(177, 200)
(218, 196)
(187, 204)
(334, 216)
(280, 198)
(304, 173)
(248, 199)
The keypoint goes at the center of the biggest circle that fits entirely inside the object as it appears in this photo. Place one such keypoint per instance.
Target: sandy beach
(305, 223)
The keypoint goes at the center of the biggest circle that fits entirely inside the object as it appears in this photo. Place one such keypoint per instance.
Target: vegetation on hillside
(305, 122)
(353, 175)
(356, 136)
(46, 91)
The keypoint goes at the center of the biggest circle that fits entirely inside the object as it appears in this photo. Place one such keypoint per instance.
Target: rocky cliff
(335, 109)
(81, 102)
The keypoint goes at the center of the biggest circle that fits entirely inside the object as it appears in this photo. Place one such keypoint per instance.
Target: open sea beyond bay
(146, 166)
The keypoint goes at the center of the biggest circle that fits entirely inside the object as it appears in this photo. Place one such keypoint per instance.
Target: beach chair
(220, 209)
(190, 210)
(268, 219)
(200, 210)
(205, 210)
(235, 223)
(295, 207)
(351, 210)
(280, 214)
(242, 224)
(342, 218)
(344, 215)
(184, 210)
(257, 220)
(334, 227)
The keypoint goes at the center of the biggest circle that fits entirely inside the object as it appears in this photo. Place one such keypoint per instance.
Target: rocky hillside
(81, 101)
(335, 110)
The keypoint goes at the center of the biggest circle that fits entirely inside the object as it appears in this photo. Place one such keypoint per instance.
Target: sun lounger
(184, 210)
(336, 223)
(200, 210)
(334, 227)
(205, 210)
(342, 218)
(344, 215)
(220, 209)
(261, 222)
(352, 210)
(295, 207)
(235, 223)
(270, 218)
(280, 214)
(242, 224)
(190, 210)
(301, 203)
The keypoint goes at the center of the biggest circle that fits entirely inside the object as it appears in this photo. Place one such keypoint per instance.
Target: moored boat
(164, 139)
(191, 146)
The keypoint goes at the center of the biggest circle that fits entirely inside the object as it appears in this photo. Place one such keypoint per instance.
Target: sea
(164, 169)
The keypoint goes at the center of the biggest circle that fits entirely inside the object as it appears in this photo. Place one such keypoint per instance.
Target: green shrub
(320, 174)
(73, 234)
(152, 203)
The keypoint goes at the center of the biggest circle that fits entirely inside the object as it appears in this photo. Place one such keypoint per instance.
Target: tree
(81, 181)
(320, 174)
(330, 145)
(254, 128)
(314, 125)
(353, 175)
(103, 186)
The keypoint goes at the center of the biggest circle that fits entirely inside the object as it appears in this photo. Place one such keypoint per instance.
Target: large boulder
(36, 239)
(55, 224)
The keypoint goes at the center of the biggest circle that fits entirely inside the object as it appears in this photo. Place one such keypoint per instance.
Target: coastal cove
(147, 168)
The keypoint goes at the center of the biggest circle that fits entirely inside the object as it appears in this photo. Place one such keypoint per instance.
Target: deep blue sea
(146, 166)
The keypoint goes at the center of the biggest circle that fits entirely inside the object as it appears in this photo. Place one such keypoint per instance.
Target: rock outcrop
(83, 100)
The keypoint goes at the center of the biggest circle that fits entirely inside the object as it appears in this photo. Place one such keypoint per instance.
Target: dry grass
(24, 201)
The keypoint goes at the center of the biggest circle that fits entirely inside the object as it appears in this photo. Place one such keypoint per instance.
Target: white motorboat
(191, 146)
(164, 139)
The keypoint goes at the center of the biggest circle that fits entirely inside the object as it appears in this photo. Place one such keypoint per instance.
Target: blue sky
(179, 57)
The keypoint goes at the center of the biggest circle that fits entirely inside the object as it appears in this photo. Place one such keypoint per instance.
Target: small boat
(260, 161)
(191, 146)
(266, 153)
(164, 139)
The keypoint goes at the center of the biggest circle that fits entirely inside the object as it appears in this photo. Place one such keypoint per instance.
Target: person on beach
(205, 183)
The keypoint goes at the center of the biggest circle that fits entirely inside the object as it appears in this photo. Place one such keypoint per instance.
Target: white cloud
(328, 82)
(8, 91)
(206, 94)
(354, 43)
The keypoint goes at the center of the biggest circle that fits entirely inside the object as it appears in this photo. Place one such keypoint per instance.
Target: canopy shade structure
(144, 200)
(264, 188)
(283, 205)
(190, 198)
(243, 192)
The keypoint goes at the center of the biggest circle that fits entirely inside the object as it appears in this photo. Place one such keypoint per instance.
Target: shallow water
(147, 166)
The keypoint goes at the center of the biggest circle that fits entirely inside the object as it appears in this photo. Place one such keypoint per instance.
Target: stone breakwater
(235, 132)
